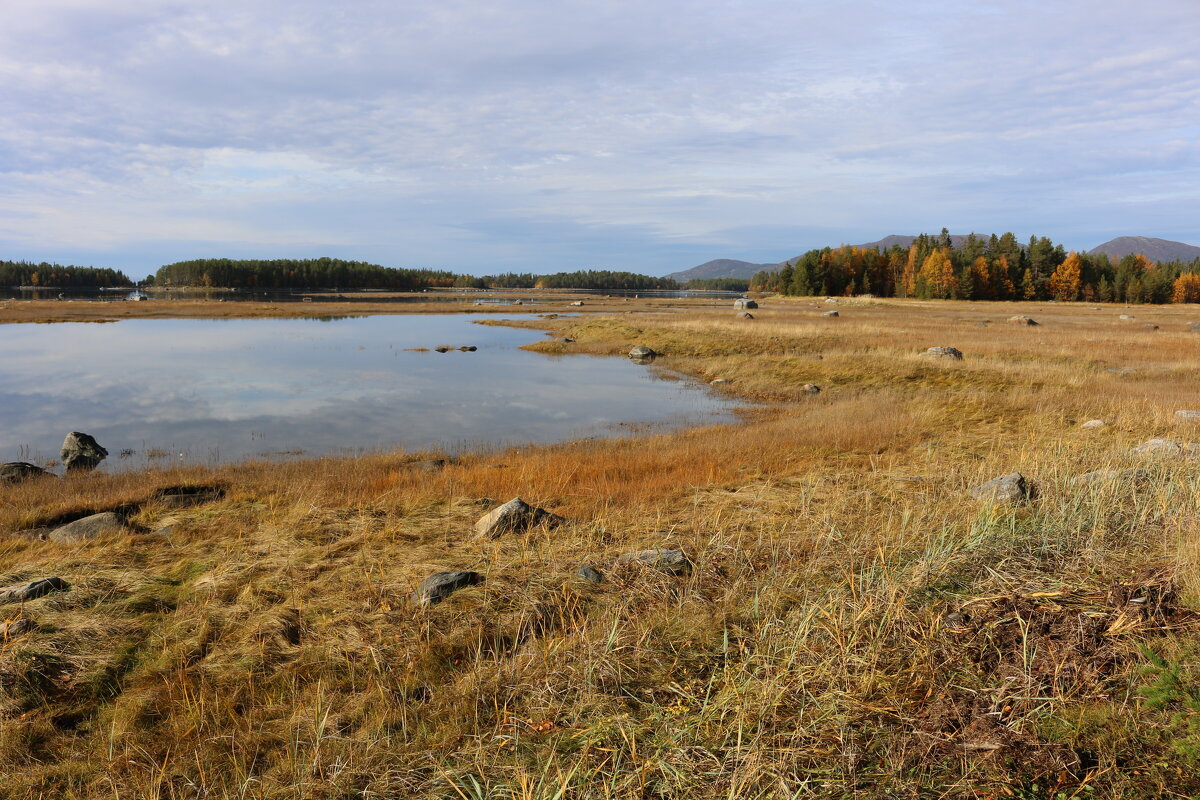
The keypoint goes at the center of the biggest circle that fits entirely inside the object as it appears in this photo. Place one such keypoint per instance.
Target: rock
(1011, 489)
(1185, 415)
(718, 382)
(1194, 327)
(568, 339)
(427, 465)
(831, 314)
(185, 496)
(19, 471)
(518, 302)
(1112, 476)
(745, 315)
(32, 591)
(944, 352)
(744, 302)
(515, 516)
(81, 452)
(577, 303)
(443, 348)
(440, 585)
(1150, 326)
(1093, 424)
(16, 627)
(590, 574)
(1122, 370)
(641, 353)
(672, 561)
(1125, 317)
(1021, 319)
(88, 528)
(831, 300)
(810, 388)
(1157, 447)
(468, 348)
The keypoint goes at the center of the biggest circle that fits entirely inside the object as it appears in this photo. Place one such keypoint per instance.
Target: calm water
(212, 391)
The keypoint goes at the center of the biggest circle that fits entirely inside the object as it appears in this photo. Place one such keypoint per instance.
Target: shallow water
(155, 391)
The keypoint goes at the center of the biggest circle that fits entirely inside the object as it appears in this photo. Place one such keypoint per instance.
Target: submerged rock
(440, 585)
(23, 593)
(20, 471)
(515, 516)
(81, 452)
(1011, 489)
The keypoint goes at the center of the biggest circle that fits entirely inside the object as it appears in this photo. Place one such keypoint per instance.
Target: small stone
(590, 574)
(16, 627)
(88, 528)
(810, 388)
(568, 339)
(1093, 424)
(718, 382)
(1112, 476)
(944, 352)
(81, 452)
(672, 561)
(831, 314)
(186, 496)
(1125, 317)
(1150, 326)
(1011, 489)
(577, 303)
(1185, 415)
(440, 585)
(20, 471)
(515, 516)
(32, 591)
(1021, 319)
(1157, 447)
(745, 315)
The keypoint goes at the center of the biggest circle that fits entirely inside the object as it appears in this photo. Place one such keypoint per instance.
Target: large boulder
(515, 516)
(19, 471)
(744, 302)
(23, 593)
(440, 585)
(87, 528)
(81, 452)
(1009, 489)
(944, 352)
(675, 562)
(642, 354)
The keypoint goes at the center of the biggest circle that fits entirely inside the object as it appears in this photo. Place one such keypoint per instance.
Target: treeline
(25, 273)
(293, 273)
(719, 284)
(583, 279)
(984, 268)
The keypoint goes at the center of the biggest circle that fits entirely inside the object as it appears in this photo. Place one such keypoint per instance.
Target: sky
(640, 135)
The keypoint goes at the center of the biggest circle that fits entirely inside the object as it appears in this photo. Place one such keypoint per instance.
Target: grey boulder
(675, 562)
(1103, 476)
(20, 471)
(23, 593)
(1021, 319)
(944, 352)
(830, 314)
(16, 627)
(515, 516)
(440, 585)
(744, 302)
(81, 452)
(810, 388)
(1183, 415)
(87, 528)
(1157, 447)
(1093, 424)
(1011, 489)
(641, 352)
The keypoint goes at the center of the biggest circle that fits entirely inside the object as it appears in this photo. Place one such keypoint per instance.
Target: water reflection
(212, 391)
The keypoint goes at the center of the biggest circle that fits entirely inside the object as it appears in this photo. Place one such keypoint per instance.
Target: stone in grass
(186, 496)
(88, 528)
(440, 585)
(1093, 424)
(81, 452)
(745, 315)
(1010, 489)
(1185, 415)
(1021, 319)
(831, 314)
(718, 381)
(515, 516)
(1102, 476)
(32, 591)
(20, 471)
(16, 627)
(1157, 447)
(810, 388)
(952, 353)
(675, 562)
(744, 302)
(1194, 327)
(590, 574)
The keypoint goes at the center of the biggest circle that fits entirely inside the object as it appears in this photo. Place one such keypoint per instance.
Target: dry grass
(853, 626)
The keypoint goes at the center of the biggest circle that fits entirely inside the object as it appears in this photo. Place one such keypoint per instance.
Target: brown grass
(853, 626)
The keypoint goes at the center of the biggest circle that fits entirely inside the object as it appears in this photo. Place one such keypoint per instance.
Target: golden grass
(853, 624)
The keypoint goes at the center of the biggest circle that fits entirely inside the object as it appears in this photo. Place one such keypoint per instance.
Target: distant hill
(721, 268)
(1156, 250)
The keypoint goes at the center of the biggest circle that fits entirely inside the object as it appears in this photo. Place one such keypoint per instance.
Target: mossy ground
(854, 626)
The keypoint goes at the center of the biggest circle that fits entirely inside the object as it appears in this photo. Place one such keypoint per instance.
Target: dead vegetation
(852, 625)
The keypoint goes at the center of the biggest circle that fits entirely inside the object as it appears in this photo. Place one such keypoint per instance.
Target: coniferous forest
(984, 268)
(25, 273)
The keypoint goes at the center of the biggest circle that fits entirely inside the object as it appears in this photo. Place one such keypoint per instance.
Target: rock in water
(32, 591)
(440, 585)
(944, 352)
(515, 516)
(675, 562)
(1011, 489)
(19, 471)
(642, 354)
(590, 574)
(81, 452)
(88, 528)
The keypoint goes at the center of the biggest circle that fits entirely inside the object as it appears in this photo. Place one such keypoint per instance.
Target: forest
(582, 279)
(56, 276)
(719, 284)
(294, 273)
(984, 268)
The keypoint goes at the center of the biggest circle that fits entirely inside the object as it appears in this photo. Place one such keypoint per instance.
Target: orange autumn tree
(938, 273)
(1064, 283)
(1186, 288)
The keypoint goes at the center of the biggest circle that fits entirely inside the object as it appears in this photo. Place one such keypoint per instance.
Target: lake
(157, 391)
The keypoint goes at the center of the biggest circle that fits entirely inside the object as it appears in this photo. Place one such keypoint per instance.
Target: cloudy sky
(649, 135)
